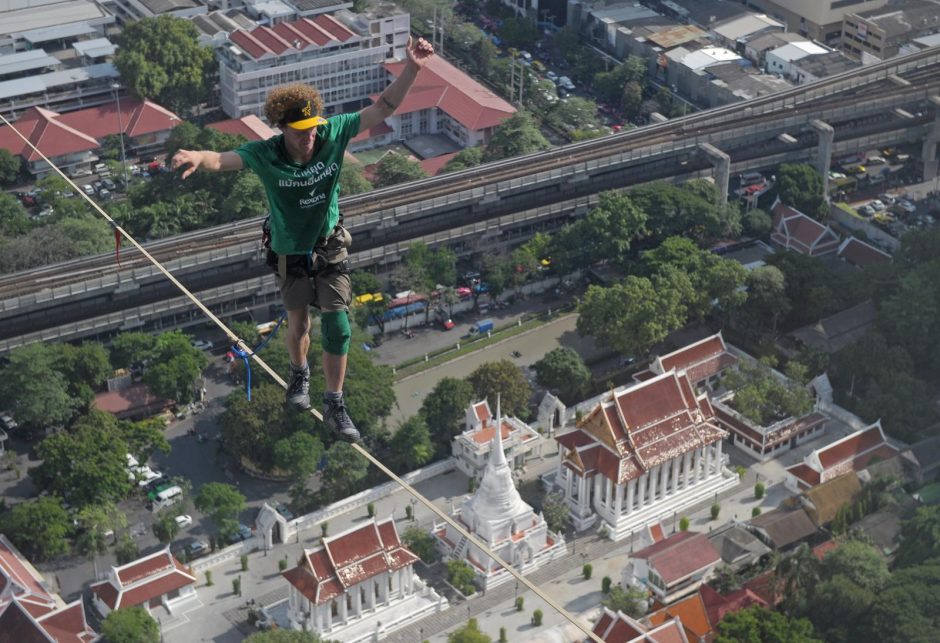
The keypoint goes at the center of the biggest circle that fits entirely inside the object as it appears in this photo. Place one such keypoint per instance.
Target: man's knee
(335, 332)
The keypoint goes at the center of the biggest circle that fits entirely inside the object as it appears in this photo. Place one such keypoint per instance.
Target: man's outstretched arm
(207, 160)
(394, 94)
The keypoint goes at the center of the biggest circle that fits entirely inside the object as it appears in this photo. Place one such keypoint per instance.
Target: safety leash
(246, 355)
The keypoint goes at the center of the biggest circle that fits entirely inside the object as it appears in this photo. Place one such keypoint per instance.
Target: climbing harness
(246, 355)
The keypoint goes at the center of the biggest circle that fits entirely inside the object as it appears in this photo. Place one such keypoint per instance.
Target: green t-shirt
(304, 199)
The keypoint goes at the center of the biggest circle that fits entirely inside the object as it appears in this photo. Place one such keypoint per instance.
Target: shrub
(324, 528)
(755, 512)
(409, 512)
(740, 471)
(208, 578)
(244, 560)
(537, 618)
(683, 524)
(759, 490)
(520, 601)
(716, 509)
(605, 584)
(237, 586)
(282, 564)
(587, 570)
(502, 635)
(370, 509)
(472, 485)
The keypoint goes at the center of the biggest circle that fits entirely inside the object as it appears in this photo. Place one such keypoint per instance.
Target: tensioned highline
(240, 343)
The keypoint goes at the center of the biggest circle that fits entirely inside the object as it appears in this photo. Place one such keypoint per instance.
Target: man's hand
(419, 52)
(191, 158)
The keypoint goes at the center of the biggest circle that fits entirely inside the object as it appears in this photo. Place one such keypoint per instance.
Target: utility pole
(516, 80)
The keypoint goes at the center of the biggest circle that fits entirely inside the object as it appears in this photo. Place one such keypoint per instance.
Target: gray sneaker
(298, 389)
(337, 419)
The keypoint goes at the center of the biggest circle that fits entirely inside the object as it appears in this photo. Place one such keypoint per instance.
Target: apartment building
(881, 33)
(815, 19)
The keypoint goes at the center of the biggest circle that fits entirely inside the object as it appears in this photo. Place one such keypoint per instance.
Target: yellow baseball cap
(301, 116)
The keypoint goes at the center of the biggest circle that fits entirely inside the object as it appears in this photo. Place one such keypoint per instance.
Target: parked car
(877, 205)
(282, 509)
(243, 532)
(109, 184)
(866, 210)
(197, 548)
(7, 421)
(184, 520)
(88, 189)
(552, 76)
(104, 194)
(203, 344)
(905, 206)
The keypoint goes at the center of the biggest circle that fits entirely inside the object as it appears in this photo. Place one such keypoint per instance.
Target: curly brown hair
(280, 99)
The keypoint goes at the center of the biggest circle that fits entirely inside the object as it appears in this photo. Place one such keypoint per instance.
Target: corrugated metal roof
(58, 32)
(95, 48)
(26, 61)
(42, 82)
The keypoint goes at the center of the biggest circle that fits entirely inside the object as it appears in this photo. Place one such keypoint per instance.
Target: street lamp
(117, 101)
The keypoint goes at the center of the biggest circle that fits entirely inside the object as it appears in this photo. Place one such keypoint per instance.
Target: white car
(203, 344)
(8, 422)
(552, 76)
(866, 210)
(88, 189)
(878, 206)
(184, 520)
(145, 475)
(906, 206)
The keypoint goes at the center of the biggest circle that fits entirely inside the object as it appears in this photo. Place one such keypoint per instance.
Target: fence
(232, 552)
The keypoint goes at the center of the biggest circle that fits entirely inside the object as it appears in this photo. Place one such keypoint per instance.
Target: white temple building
(471, 448)
(497, 515)
(359, 586)
(641, 455)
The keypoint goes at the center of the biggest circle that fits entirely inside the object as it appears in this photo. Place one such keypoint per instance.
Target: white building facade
(472, 447)
(358, 585)
(498, 516)
(641, 455)
(342, 56)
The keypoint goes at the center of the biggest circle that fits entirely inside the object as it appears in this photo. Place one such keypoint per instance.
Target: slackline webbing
(243, 346)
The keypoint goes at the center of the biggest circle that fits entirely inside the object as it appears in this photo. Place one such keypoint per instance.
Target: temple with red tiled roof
(766, 442)
(861, 254)
(29, 610)
(358, 584)
(703, 361)
(674, 567)
(471, 448)
(850, 454)
(641, 454)
(617, 627)
(795, 231)
(149, 582)
(497, 515)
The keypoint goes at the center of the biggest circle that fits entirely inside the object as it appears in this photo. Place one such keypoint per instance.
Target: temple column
(618, 501)
(641, 491)
(663, 479)
(696, 475)
(409, 580)
(608, 491)
(383, 589)
(708, 460)
(687, 468)
(598, 496)
(654, 477)
(357, 600)
(344, 609)
(370, 598)
(675, 475)
(718, 467)
(631, 491)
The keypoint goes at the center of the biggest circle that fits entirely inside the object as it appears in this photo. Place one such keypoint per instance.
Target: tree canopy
(444, 408)
(515, 136)
(801, 187)
(564, 370)
(161, 59)
(130, 625)
(35, 389)
(396, 168)
(502, 378)
(760, 625)
(469, 633)
(39, 528)
(344, 471)
(411, 445)
(176, 365)
(222, 503)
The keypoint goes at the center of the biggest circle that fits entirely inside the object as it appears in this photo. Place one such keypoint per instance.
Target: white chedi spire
(497, 497)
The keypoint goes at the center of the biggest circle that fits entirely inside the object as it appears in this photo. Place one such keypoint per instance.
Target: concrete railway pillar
(824, 151)
(722, 164)
(929, 153)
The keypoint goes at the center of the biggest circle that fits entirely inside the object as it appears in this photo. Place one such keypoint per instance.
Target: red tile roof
(793, 229)
(141, 580)
(348, 559)
(482, 411)
(643, 426)
(376, 130)
(251, 127)
(820, 551)
(691, 613)
(44, 130)
(861, 254)
(617, 627)
(717, 605)
(434, 165)
(807, 475)
(441, 85)
(700, 360)
(852, 452)
(291, 36)
(138, 117)
(680, 555)
(134, 398)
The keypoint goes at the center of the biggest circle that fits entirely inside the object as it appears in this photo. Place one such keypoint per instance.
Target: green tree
(352, 180)
(839, 610)
(800, 186)
(344, 471)
(9, 167)
(427, 267)
(86, 364)
(14, 220)
(767, 300)
(760, 625)
(555, 512)
(461, 576)
(756, 223)
(444, 408)
(795, 575)
(469, 633)
(129, 348)
(165, 527)
(763, 399)
(859, 562)
(683, 524)
(244, 200)
(421, 543)
(465, 159)
(519, 32)
(632, 316)
(86, 466)
(130, 625)
(396, 168)
(630, 601)
(144, 438)
(161, 59)
(95, 522)
(515, 136)
(222, 503)
(34, 389)
(39, 528)
(504, 379)
(907, 609)
(176, 365)
(299, 454)
(921, 537)
(411, 445)
(563, 369)
(126, 550)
